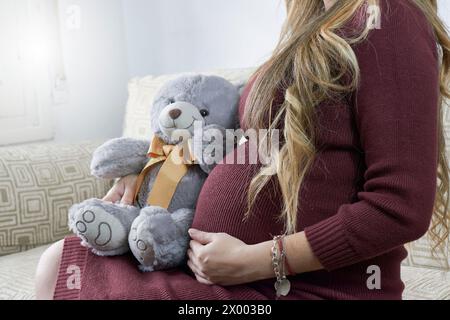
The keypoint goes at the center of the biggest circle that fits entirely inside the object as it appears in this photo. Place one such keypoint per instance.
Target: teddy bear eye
(204, 113)
(171, 101)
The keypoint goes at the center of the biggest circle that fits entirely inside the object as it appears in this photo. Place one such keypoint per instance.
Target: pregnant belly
(222, 205)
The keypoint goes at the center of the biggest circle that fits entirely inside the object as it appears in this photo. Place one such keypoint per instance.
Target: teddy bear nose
(175, 114)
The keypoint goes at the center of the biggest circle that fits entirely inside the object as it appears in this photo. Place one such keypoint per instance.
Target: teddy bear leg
(159, 239)
(102, 226)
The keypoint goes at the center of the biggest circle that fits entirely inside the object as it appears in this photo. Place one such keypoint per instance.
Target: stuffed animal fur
(157, 237)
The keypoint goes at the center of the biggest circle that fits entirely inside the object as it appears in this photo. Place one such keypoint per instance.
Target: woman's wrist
(257, 261)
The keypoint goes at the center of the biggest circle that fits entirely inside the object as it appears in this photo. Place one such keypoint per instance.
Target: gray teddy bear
(158, 237)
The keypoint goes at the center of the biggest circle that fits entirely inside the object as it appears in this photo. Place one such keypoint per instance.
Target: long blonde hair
(310, 44)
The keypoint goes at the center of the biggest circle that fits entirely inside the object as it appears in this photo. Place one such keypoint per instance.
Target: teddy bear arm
(119, 158)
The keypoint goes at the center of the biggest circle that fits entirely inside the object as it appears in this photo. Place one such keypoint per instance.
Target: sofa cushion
(143, 90)
(425, 284)
(421, 256)
(17, 273)
(38, 184)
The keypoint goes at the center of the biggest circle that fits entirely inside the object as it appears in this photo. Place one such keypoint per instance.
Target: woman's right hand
(123, 191)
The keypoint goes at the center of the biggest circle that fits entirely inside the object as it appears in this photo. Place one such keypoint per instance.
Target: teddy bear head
(190, 100)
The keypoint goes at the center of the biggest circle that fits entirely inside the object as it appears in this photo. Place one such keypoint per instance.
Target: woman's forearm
(298, 251)
(300, 255)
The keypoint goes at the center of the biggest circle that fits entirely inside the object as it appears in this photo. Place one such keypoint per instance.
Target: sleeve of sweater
(396, 112)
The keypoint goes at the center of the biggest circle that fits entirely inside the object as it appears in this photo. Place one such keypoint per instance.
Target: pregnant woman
(356, 88)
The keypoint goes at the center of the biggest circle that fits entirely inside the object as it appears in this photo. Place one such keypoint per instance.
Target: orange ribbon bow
(174, 168)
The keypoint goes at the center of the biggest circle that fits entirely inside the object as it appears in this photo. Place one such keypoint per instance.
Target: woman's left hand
(218, 258)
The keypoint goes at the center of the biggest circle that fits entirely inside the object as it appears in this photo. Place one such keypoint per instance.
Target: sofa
(39, 182)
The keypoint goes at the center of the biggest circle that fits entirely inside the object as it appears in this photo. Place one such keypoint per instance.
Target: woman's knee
(47, 271)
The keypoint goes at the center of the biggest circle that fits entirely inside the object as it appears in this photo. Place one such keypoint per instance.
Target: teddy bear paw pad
(100, 230)
(142, 248)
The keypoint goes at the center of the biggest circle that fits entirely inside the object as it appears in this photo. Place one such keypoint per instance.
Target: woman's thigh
(47, 271)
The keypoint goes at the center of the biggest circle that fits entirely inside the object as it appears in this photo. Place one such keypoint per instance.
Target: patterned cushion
(38, 184)
(143, 90)
(425, 284)
(421, 256)
(17, 274)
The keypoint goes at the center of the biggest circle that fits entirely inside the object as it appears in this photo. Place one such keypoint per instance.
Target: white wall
(96, 68)
(179, 35)
(120, 39)
(444, 8)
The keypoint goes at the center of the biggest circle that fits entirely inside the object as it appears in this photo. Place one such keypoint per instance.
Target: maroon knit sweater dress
(371, 190)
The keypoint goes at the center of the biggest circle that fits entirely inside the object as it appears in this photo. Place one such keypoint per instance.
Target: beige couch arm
(38, 184)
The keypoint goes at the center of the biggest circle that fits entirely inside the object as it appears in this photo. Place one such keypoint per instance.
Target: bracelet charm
(283, 287)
